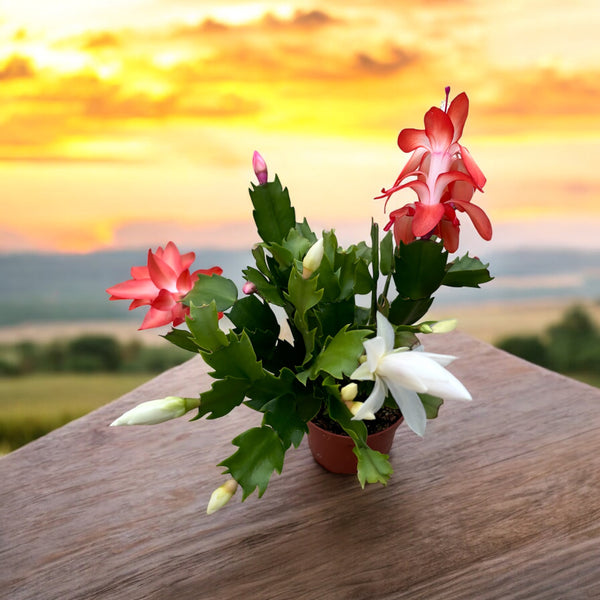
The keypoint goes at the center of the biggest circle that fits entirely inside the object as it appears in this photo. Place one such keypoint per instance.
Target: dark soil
(386, 417)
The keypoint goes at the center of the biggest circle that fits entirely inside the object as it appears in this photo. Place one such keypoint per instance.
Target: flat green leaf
(334, 315)
(373, 466)
(340, 356)
(282, 255)
(273, 213)
(466, 272)
(212, 287)
(407, 312)
(361, 315)
(260, 453)
(298, 244)
(330, 245)
(237, 360)
(281, 414)
(251, 314)
(386, 257)
(182, 339)
(308, 336)
(224, 395)
(328, 281)
(432, 405)
(259, 256)
(265, 389)
(419, 268)
(266, 289)
(203, 323)
(306, 232)
(363, 282)
(303, 293)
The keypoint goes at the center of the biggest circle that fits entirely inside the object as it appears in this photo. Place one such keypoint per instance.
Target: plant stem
(375, 264)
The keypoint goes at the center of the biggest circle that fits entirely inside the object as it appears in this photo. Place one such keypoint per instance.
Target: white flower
(405, 374)
(157, 411)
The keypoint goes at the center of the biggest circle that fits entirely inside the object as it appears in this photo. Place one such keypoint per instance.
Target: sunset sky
(126, 123)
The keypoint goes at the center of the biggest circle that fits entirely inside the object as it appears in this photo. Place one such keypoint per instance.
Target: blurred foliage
(570, 346)
(88, 354)
(45, 385)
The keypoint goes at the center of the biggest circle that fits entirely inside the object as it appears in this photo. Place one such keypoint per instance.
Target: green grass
(35, 405)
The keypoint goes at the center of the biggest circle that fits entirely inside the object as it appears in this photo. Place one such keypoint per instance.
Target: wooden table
(501, 499)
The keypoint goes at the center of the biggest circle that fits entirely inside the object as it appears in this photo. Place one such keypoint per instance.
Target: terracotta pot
(334, 452)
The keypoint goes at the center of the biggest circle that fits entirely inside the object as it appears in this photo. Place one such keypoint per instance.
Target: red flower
(443, 175)
(161, 285)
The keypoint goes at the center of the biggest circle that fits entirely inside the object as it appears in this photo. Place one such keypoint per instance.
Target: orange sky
(130, 122)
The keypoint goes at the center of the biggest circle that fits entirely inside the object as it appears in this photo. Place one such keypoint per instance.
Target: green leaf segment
(290, 378)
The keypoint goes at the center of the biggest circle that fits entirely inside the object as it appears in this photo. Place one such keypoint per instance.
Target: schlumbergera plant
(351, 315)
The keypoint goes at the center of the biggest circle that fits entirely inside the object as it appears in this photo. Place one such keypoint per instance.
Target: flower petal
(411, 407)
(399, 367)
(164, 301)
(184, 283)
(411, 139)
(140, 272)
(363, 373)
(385, 330)
(439, 129)
(133, 289)
(449, 232)
(478, 217)
(471, 166)
(374, 402)
(438, 381)
(211, 271)
(440, 359)
(458, 112)
(403, 229)
(375, 349)
(156, 318)
(161, 273)
(413, 162)
(426, 218)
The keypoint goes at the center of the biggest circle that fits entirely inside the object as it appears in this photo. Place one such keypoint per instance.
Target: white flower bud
(444, 326)
(313, 259)
(349, 392)
(157, 411)
(366, 416)
(221, 496)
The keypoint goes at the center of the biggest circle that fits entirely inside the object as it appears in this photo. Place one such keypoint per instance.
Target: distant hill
(65, 287)
(59, 287)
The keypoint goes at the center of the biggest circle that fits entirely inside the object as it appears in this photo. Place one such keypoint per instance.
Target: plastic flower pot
(334, 451)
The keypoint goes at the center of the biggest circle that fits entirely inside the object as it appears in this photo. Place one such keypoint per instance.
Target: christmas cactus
(320, 329)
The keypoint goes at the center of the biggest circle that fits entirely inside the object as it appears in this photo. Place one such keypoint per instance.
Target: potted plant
(350, 358)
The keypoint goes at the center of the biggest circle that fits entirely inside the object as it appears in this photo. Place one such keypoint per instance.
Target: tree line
(87, 354)
(572, 345)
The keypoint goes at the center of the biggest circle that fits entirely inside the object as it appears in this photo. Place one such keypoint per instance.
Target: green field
(34, 405)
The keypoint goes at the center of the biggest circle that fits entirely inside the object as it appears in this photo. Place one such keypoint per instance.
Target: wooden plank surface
(500, 500)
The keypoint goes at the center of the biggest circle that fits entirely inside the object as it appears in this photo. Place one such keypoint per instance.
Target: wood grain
(500, 500)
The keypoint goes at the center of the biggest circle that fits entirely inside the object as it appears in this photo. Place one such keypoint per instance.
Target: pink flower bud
(260, 168)
(249, 288)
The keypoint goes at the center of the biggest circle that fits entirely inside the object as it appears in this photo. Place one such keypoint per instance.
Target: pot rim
(345, 436)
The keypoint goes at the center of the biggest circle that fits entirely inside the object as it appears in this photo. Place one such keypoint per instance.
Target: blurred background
(128, 123)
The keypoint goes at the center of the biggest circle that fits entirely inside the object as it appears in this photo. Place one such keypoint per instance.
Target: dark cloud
(17, 67)
(398, 59)
(271, 23)
(311, 19)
